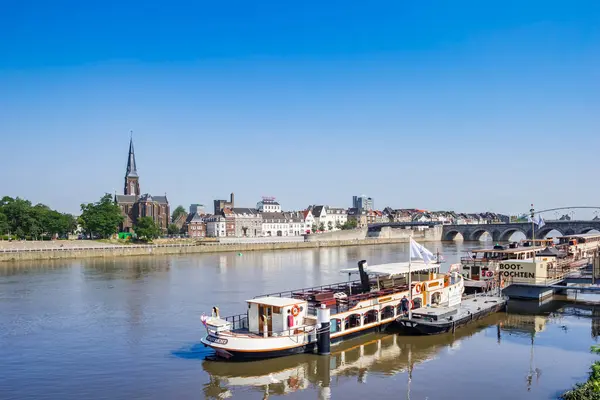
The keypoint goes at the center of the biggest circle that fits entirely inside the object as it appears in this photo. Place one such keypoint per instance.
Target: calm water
(130, 328)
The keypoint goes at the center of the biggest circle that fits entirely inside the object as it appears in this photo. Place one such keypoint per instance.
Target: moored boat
(309, 319)
(437, 320)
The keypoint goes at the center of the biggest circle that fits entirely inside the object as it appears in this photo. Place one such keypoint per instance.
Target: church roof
(124, 198)
(131, 167)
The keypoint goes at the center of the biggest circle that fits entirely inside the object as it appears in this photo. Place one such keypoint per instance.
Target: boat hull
(254, 355)
(416, 327)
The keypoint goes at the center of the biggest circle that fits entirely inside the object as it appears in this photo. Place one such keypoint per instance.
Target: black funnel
(364, 277)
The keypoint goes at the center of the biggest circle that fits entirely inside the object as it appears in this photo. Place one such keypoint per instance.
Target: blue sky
(464, 105)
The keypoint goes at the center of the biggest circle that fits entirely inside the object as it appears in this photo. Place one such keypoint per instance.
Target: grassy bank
(590, 390)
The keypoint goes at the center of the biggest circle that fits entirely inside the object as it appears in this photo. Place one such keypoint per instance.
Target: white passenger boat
(286, 323)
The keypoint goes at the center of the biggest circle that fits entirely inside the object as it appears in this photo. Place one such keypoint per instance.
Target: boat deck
(444, 315)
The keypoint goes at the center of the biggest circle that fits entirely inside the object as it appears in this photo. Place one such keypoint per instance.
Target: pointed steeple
(131, 168)
(132, 179)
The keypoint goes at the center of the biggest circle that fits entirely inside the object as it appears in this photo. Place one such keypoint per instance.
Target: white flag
(418, 251)
(540, 221)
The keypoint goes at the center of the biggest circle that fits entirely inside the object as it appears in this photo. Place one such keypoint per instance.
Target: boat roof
(508, 251)
(583, 235)
(276, 301)
(392, 269)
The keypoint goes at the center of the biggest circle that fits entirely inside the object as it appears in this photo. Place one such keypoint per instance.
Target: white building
(309, 221)
(269, 205)
(282, 224)
(329, 218)
(216, 226)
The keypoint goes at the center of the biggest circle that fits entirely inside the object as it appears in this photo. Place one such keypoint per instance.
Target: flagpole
(409, 278)
(533, 230)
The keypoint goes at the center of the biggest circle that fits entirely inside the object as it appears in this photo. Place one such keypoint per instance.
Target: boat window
(277, 310)
(335, 325)
(370, 316)
(417, 303)
(352, 321)
(387, 312)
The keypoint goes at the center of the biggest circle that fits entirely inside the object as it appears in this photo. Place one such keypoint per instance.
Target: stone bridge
(503, 232)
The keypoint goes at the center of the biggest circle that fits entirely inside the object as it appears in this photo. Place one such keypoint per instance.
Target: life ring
(412, 304)
(295, 311)
(418, 288)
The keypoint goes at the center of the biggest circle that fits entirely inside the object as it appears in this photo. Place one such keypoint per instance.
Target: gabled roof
(244, 210)
(318, 211)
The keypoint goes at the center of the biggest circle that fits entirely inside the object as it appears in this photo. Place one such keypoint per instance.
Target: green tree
(177, 213)
(173, 229)
(338, 225)
(321, 227)
(3, 224)
(146, 229)
(314, 228)
(350, 224)
(329, 225)
(101, 218)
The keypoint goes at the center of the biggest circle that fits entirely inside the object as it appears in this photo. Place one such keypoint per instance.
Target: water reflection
(108, 328)
(375, 354)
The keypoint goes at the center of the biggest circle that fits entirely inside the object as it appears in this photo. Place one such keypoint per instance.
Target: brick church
(134, 205)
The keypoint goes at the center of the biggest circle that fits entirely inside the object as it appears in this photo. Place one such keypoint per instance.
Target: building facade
(329, 218)
(135, 205)
(216, 226)
(247, 222)
(196, 226)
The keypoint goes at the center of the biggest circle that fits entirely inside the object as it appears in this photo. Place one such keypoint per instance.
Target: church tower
(132, 180)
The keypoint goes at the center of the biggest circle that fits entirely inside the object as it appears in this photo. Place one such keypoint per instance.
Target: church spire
(132, 184)
(131, 168)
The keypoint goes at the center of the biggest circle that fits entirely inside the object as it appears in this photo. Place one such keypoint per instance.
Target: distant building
(216, 226)
(330, 217)
(268, 204)
(196, 227)
(283, 224)
(247, 222)
(196, 208)
(220, 205)
(362, 203)
(309, 221)
(134, 205)
(358, 216)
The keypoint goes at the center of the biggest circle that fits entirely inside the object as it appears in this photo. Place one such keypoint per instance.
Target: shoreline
(12, 255)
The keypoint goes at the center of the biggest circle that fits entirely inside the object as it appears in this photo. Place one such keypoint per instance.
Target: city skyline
(484, 107)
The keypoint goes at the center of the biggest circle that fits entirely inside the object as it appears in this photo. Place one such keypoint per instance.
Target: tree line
(20, 219)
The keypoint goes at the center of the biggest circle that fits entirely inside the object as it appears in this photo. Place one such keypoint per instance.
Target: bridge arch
(587, 230)
(504, 236)
(454, 235)
(545, 231)
(569, 232)
(478, 233)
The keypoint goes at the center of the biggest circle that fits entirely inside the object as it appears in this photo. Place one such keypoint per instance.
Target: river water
(129, 328)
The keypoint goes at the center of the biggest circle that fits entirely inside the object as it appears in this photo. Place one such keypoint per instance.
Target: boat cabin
(574, 240)
(276, 315)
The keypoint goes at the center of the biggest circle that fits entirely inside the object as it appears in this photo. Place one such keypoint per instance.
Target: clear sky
(464, 105)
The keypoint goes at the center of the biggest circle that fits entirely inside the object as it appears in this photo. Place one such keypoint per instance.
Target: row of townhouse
(267, 219)
(444, 217)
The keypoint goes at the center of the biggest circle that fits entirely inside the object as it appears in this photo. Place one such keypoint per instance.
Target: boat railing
(238, 322)
(307, 292)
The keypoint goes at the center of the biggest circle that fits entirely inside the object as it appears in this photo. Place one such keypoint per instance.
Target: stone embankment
(28, 251)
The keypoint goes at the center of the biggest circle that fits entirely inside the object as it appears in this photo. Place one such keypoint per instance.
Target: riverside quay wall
(135, 250)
